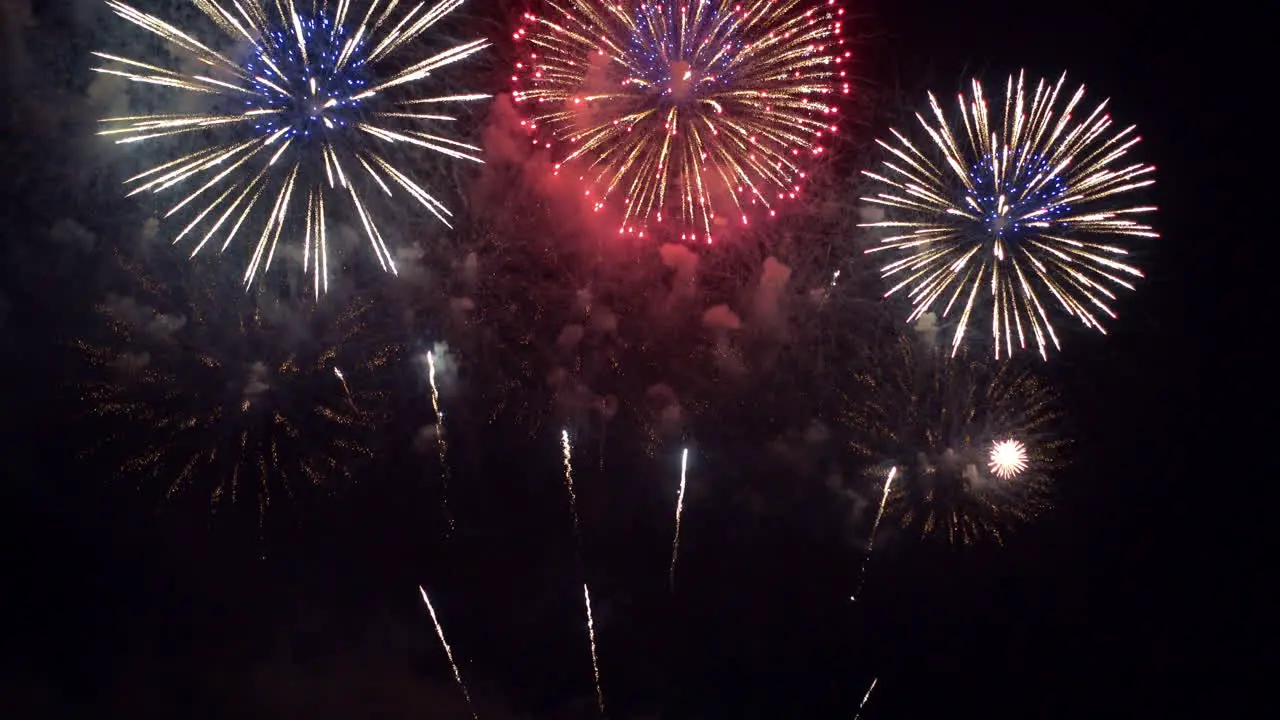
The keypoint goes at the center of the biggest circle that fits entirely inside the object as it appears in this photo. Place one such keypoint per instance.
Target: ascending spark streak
(342, 379)
(871, 541)
(865, 698)
(835, 277)
(441, 443)
(568, 480)
(595, 661)
(448, 652)
(675, 544)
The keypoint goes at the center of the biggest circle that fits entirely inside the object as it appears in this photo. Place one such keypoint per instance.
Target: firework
(595, 661)
(968, 446)
(441, 443)
(871, 538)
(202, 394)
(699, 113)
(448, 652)
(865, 698)
(566, 451)
(297, 110)
(675, 543)
(1014, 216)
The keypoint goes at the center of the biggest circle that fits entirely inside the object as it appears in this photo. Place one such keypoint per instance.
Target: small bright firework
(968, 446)
(1015, 216)
(301, 108)
(699, 112)
(1008, 459)
(208, 395)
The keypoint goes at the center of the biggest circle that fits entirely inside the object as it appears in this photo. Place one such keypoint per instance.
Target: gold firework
(969, 444)
(1010, 215)
(230, 399)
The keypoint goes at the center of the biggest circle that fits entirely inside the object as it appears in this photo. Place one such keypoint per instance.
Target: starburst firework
(969, 445)
(697, 112)
(207, 394)
(1008, 459)
(299, 109)
(1009, 217)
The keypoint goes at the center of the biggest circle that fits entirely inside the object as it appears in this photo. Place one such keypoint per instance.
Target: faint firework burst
(300, 112)
(698, 113)
(208, 397)
(1012, 215)
(969, 445)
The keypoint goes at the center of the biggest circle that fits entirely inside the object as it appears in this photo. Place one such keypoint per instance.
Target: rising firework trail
(865, 698)
(441, 443)
(684, 115)
(299, 116)
(595, 660)
(345, 388)
(871, 540)
(675, 543)
(448, 652)
(1015, 217)
(567, 450)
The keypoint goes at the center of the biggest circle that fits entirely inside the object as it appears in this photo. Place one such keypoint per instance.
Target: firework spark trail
(835, 277)
(441, 443)
(695, 112)
(871, 541)
(865, 698)
(595, 661)
(448, 652)
(1005, 208)
(568, 481)
(345, 388)
(675, 543)
(297, 114)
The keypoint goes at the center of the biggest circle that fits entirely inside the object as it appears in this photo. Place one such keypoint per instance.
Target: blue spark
(1035, 195)
(318, 95)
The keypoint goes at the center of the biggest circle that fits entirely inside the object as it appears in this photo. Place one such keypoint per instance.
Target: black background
(1112, 604)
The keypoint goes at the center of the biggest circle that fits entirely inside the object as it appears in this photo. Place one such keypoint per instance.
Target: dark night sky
(1107, 606)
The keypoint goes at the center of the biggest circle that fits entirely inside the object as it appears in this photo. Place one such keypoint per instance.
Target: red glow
(616, 160)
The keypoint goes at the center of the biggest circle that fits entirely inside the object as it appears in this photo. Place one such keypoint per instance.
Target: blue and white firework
(305, 101)
(1009, 217)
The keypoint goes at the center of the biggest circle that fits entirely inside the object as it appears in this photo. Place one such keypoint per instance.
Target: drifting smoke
(130, 364)
(257, 382)
(766, 304)
(927, 330)
(665, 413)
(143, 318)
(685, 264)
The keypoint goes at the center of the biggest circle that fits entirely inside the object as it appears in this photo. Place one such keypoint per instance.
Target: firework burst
(1010, 216)
(698, 113)
(968, 446)
(300, 111)
(230, 401)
